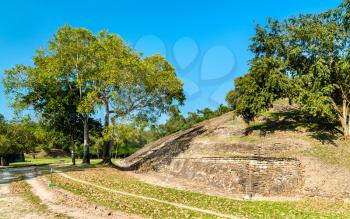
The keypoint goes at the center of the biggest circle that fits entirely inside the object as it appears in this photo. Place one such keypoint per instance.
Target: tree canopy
(80, 72)
(304, 58)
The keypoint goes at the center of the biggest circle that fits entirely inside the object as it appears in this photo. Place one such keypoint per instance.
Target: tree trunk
(73, 154)
(86, 154)
(344, 120)
(107, 144)
(4, 161)
(116, 152)
(22, 157)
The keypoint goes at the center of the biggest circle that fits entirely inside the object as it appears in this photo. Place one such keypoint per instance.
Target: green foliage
(132, 89)
(177, 122)
(304, 59)
(17, 136)
(58, 87)
(131, 86)
(128, 138)
(150, 88)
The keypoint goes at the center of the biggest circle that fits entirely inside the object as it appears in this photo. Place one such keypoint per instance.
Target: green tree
(306, 59)
(73, 51)
(59, 81)
(115, 62)
(150, 87)
(16, 137)
(132, 88)
(175, 122)
(80, 72)
(128, 138)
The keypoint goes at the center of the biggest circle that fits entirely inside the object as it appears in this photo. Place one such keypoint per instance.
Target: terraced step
(155, 155)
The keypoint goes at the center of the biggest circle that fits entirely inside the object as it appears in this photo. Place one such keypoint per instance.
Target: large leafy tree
(115, 62)
(72, 51)
(85, 71)
(128, 87)
(132, 88)
(306, 59)
(58, 85)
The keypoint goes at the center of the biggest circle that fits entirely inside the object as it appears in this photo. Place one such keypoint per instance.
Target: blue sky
(207, 41)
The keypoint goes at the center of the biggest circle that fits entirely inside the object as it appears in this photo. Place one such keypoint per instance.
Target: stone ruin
(242, 175)
(252, 174)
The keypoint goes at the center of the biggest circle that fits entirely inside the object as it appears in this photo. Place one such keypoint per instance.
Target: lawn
(49, 160)
(120, 181)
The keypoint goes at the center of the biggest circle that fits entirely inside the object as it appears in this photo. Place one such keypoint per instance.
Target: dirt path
(60, 203)
(149, 198)
(65, 203)
(12, 205)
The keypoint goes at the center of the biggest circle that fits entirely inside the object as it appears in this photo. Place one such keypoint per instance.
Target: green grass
(33, 199)
(331, 154)
(117, 180)
(23, 189)
(131, 205)
(324, 138)
(42, 161)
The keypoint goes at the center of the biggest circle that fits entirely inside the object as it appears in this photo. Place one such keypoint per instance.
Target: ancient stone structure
(246, 175)
(250, 170)
(160, 153)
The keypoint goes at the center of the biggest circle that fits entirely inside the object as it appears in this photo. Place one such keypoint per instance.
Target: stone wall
(156, 155)
(252, 175)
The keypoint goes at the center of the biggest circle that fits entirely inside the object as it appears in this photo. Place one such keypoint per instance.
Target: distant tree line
(24, 135)
(178, 122)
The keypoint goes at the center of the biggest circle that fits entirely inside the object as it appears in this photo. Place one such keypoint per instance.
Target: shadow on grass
(320, 129)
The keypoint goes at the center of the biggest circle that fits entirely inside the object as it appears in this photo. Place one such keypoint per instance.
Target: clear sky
(207, 41)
